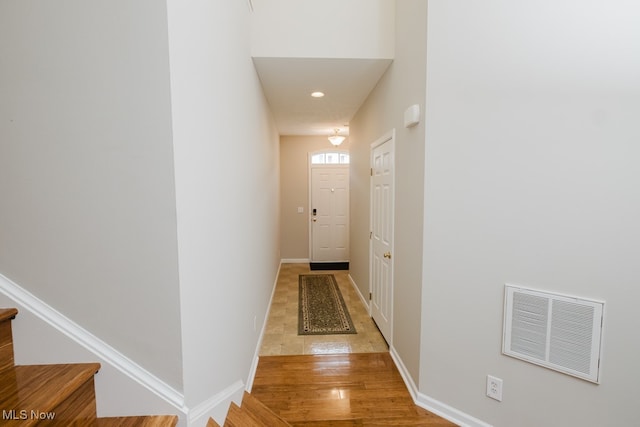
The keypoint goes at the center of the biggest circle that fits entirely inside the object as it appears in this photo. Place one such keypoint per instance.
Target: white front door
(382, 207)
(330, 213)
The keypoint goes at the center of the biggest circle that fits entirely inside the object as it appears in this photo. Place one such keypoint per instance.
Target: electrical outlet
(494, 388)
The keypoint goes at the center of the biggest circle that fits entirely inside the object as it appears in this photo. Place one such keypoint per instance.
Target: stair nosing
(7, 313)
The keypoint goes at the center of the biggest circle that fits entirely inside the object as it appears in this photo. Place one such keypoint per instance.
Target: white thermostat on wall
(412, 116)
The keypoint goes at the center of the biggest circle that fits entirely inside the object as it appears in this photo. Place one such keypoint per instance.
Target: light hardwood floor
(363, 389)
(281, 332)
(331, 380)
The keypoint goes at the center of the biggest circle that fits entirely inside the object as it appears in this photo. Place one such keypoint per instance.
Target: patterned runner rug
(321, 308)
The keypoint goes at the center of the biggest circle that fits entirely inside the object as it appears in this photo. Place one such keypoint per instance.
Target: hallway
(281, 332)
(337, 380)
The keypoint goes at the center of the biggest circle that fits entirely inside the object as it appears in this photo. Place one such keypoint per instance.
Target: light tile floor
(281, 332)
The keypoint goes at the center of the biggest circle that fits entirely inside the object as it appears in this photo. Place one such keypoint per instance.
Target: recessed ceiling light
(317, 94)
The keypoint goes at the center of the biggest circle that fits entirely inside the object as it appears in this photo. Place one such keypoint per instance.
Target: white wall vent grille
(555, 331)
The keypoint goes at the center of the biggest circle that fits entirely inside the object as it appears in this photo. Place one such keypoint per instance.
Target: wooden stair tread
(252, 413)
(143, 421)
(237, 418)
(261, 412)
(7, 313)
(6, 338)
(42, 388)
(242, 417)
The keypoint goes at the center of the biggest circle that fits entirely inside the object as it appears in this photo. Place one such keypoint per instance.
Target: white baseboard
(430, 404)
(295, 261)
(254, 364)
(35, 312)
(404, 373)
(452, 414)
(216, 406)
(364, 300)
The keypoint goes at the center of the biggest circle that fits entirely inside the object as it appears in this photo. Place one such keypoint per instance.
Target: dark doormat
(321, 308)
(329, 265)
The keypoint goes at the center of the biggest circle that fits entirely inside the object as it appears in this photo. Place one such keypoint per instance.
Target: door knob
(315, 219)
(387, 255)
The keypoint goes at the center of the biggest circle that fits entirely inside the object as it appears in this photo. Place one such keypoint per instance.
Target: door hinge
(371, 171)
(369, 296)
(370, 235)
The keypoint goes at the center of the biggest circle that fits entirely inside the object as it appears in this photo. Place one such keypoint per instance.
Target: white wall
(402, 85)
(87, 216)
(227, 176)
(95, 222)
(531, 178)
(323, 28)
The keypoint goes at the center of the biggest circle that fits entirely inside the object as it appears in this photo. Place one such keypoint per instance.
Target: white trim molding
(217, 406)
(445, 411)
(364, 301)
(295, 260)
(404, 373)
(430, 404)
(254, 364)
(91, 343)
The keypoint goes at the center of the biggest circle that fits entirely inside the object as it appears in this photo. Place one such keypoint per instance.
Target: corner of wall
(216, 406)
(432, 405)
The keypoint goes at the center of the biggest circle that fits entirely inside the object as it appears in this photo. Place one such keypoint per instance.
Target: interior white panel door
(382, 206)
(330, 214)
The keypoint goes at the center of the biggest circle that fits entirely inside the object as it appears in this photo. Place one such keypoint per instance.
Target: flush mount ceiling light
(317, 94)
(336, 139)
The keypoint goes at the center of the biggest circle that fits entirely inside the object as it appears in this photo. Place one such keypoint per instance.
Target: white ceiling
(288, 83)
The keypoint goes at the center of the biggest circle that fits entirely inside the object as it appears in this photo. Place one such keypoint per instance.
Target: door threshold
(329, 265)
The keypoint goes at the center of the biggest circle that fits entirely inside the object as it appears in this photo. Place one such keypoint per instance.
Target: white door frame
(389, 136)
(309, 185)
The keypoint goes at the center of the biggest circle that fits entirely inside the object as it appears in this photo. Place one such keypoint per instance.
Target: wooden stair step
(7, 313)
(261, 412)
(239, 416)
(33, 391)
(6, 338)
(252, 413)
(236, 417)
(144, 421)
(212, 423)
